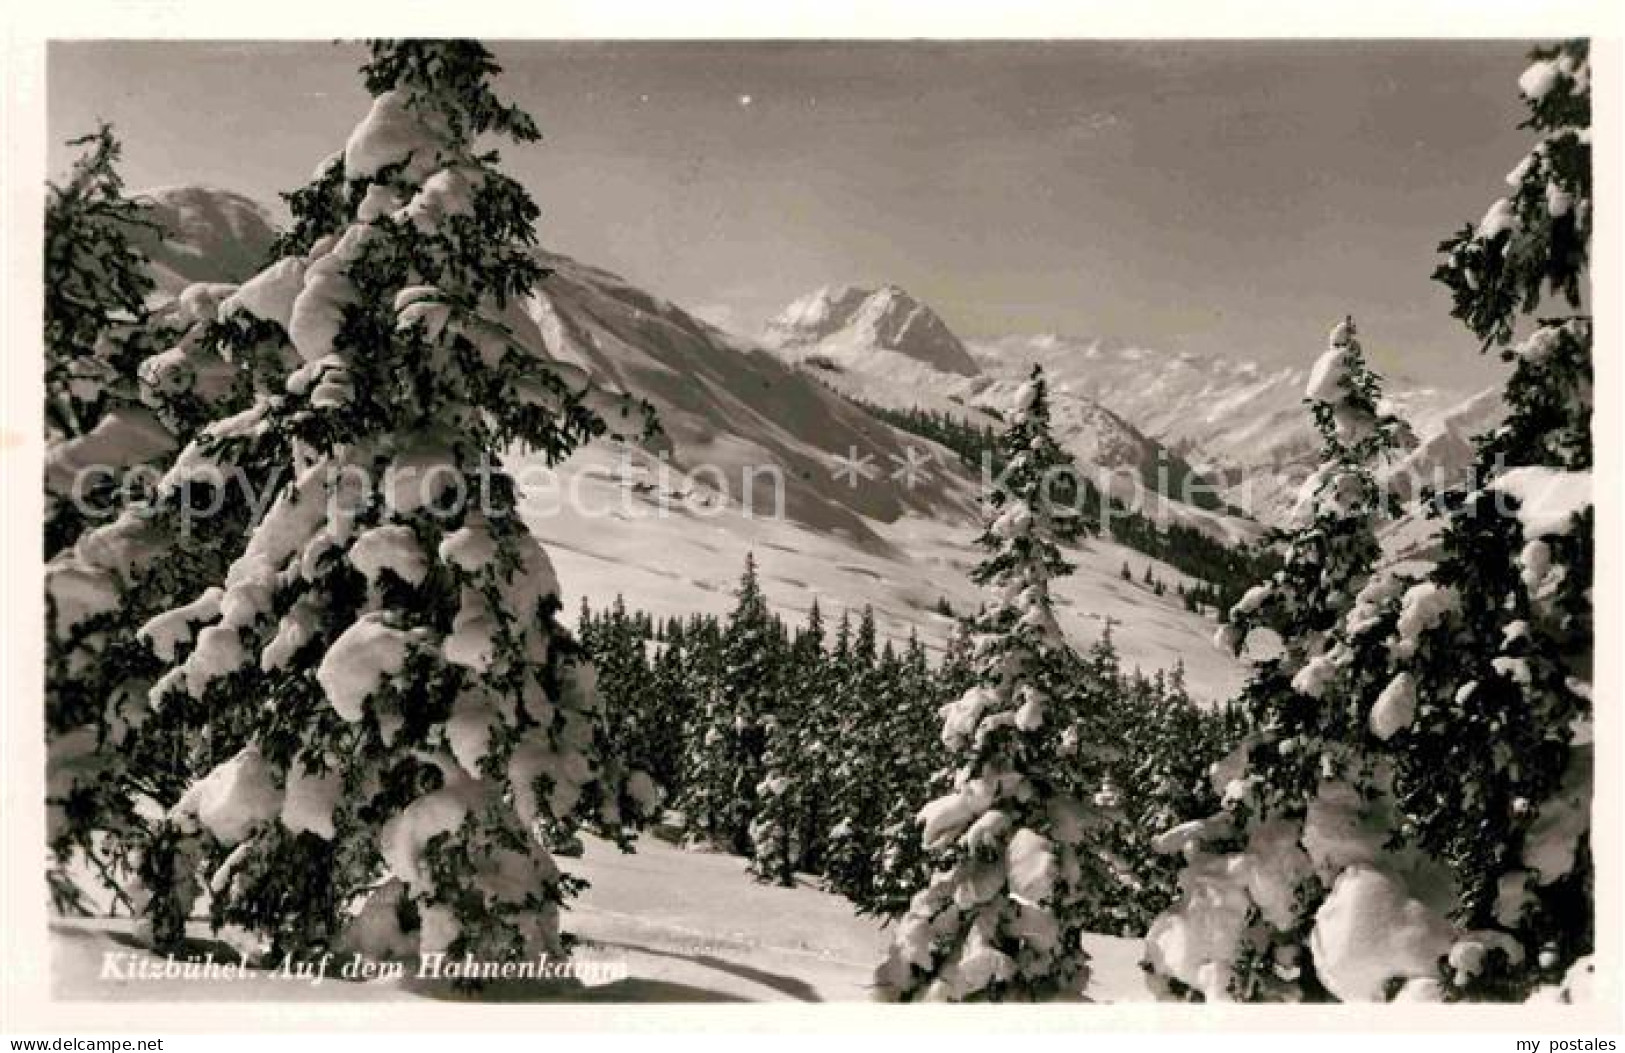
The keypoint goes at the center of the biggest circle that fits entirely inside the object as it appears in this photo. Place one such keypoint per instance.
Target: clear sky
(1221, 198)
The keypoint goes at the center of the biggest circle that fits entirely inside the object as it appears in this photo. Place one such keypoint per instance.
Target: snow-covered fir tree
(408, 723)
(1447, 838)
(727, 744)
(96, 290)
(673, 702)
(1168, 742)
(913, 776)
(1298, 790)
(785, 831)
(1332, 546)
(642, 723)
(1489, 696)
(1013, 865)
(99, 328)
(706, 778)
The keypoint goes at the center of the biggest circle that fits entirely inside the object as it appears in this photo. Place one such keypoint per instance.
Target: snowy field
(689, 926)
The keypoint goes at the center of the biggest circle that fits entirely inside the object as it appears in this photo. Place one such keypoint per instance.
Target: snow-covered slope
(848, 324)
(209, 235)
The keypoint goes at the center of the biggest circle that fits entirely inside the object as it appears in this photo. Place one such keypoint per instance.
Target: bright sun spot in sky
(745, 100)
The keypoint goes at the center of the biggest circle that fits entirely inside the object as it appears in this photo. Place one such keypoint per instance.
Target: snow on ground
(688, 926)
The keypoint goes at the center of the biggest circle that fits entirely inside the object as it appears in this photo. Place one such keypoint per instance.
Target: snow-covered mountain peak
(1239, 421)
(848, 322)
(759, 454)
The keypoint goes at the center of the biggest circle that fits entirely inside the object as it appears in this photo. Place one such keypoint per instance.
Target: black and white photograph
(1088, 521)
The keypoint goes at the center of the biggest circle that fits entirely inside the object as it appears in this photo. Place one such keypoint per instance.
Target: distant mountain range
(1242, 425)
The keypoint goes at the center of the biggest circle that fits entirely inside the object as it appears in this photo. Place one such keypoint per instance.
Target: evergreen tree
(748, 688)
(96, 292)
(865, 644)
(913, 775)
(1013, 866)
(411, 720)
(638, 718)
(707, 778)
(958, 670)
(1167, 745)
